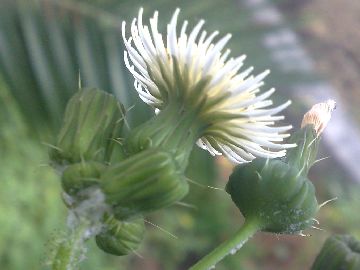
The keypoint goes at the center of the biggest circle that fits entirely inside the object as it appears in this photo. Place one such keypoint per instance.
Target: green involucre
(304, 155)
(340, 252)
(121, 237)
(175, 129)
(80, 176)
(93, 118)
(274, 194)
(144, 182)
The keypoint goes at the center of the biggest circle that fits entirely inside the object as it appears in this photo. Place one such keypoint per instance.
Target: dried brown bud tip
(319, 115)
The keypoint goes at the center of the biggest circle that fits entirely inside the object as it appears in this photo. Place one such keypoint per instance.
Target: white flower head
(193, 69)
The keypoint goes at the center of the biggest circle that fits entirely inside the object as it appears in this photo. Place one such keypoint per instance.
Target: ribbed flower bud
(121, 237)
(308, 137)
(340, 252)
(92, 119)
(80, 176)
(144, 182)
(273, 194)
(277, 193)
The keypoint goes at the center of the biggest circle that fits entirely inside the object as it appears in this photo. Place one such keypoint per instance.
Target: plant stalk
(231, 246)
(70, 251)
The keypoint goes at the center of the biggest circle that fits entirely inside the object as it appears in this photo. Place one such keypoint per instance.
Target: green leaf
(47, 45)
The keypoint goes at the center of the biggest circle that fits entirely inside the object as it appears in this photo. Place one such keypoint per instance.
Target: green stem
(176, 128)
(71, 249)
(230, 246)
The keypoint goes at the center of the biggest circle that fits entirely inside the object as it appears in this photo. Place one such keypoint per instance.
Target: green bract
(340, 252)
(274, 194)
(93, 118)
(144, 182)
(81, 175)
(121, 237)
(304, 155)
(175, 129)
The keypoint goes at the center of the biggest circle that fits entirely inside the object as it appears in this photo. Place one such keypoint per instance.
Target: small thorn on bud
(321, 159)
(79, 80)
(161, 229)
(52, 146)
(316, 221)
(187, 205)
(301, 233)
(138, 254)
(326, 202)
(258, 175)
(319, 116)
(203, 186)
(317, 228)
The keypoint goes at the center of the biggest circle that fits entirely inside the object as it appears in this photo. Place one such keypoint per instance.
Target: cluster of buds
(86, 155)
(199, 97)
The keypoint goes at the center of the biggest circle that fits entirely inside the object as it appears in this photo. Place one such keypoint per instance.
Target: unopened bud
(120, 237)
(307, 139)
(277, 193)
(144, 182)
(319, 116)
(339, 252)
(80, 176)
(273, 194)
(93, 118)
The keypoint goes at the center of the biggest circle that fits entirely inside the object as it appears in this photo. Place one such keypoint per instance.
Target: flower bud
(92, 119)
(308, 137)
(277, 193)
(319, 116)
(121, 237)
(274, 194)
(144, 182)
(339, 252)
(80, 176)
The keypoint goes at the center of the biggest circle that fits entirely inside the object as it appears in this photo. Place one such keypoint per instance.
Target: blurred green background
(45, 44)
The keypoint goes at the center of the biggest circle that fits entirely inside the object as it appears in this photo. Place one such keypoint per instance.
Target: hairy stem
(71, 250)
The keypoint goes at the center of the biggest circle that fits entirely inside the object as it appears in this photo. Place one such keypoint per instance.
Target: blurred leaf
(46, 45)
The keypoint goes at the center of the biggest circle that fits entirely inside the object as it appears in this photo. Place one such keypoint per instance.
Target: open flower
(191, 70)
